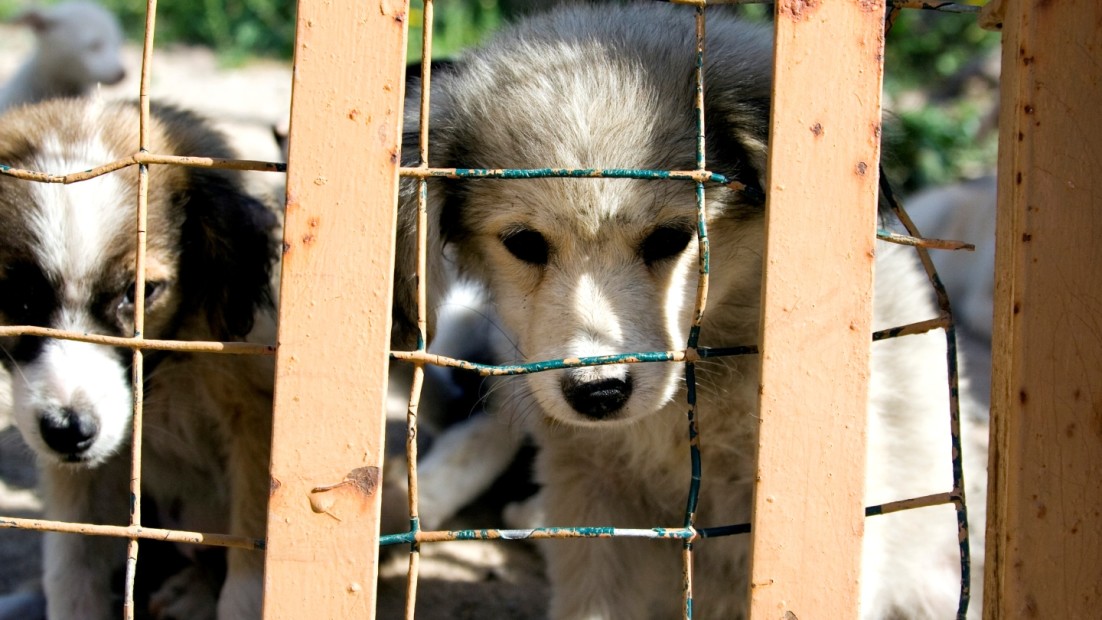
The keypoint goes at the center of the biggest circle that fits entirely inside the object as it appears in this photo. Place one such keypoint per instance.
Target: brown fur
(207, 418)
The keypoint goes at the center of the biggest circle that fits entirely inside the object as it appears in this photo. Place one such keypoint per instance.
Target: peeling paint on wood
(351, 493)
(346, 101)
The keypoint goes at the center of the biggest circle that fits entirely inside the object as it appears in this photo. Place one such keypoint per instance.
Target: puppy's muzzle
(598, 399)
(68, 432)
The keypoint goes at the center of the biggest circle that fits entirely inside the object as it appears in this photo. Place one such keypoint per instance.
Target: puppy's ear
(35, 19)
(403, 330)
(404, 333)
(228, 253)
(737, 135)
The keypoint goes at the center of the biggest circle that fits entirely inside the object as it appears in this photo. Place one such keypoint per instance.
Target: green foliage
(940, 129)
(236, 28)
(926, 46)
(938, 136)
(455, 25)
(8, 9)
(939, 144)
(242, 28)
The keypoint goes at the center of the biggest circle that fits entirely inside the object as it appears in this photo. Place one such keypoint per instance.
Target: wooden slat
(1044, 551)
(817, 299)
(335, 309)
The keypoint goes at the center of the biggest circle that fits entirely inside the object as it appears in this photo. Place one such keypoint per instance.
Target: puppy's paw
(188, 595)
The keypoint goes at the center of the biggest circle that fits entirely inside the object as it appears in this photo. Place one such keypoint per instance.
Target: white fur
(78, 46)
(73, 228)
(610, 87)
(206, 424)
(75, 375)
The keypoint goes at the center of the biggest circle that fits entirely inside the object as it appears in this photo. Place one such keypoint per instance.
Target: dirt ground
(459, 579)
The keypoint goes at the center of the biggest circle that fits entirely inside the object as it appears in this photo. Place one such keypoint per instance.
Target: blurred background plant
(940, 78)
(941, 75)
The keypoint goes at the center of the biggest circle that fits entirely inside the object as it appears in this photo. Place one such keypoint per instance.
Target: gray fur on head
(522, 77)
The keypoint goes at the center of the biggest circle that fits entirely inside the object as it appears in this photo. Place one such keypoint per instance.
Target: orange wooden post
(817, 309)
(1044, 535)
(334, 333)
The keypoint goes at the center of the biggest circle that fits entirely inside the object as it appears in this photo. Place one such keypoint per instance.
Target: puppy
(67, 262)
(586, 267)
(78, 45)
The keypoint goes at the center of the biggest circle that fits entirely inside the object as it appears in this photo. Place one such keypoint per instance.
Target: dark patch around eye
(527, 245)
(153, 288)
(27, 297)
(665, 242)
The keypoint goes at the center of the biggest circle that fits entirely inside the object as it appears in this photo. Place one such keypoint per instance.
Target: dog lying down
(586, 267)
(67, 262)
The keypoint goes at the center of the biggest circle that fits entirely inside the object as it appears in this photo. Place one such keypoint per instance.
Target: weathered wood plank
(817, 308)
(335, 309)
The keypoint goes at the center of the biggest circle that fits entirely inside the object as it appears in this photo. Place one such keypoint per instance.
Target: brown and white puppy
(580, 267)
(67, 262)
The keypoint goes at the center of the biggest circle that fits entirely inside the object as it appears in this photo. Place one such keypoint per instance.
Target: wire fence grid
(701, 177)
(415, 536)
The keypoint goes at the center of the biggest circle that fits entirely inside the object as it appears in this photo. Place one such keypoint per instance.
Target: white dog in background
(78, 45)
(966, 211)
(585, 267)
(67, 262)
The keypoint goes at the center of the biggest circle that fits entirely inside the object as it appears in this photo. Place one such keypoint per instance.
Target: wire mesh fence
(687, 531)
(703, 179)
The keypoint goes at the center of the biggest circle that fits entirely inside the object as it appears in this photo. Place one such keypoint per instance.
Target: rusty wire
(412, 572)
(138, 159)
(191, 346)
(138, 365)
(924, 5)
(958, 497)
(133, 531)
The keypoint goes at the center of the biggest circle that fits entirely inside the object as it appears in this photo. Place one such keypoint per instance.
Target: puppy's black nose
(597, 399)
(67, 431)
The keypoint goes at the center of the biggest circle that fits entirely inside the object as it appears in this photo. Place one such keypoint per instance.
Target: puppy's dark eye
(665, 242)
(527, 245)
(153, 289)
(26, 295)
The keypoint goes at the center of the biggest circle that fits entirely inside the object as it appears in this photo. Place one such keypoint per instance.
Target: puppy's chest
(726, 429)
(185, 441)
(655, 456)
(188, 484)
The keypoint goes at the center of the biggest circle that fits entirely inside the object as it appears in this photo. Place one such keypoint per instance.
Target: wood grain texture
(335, 309)
(817, 307)
(1044, 536)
